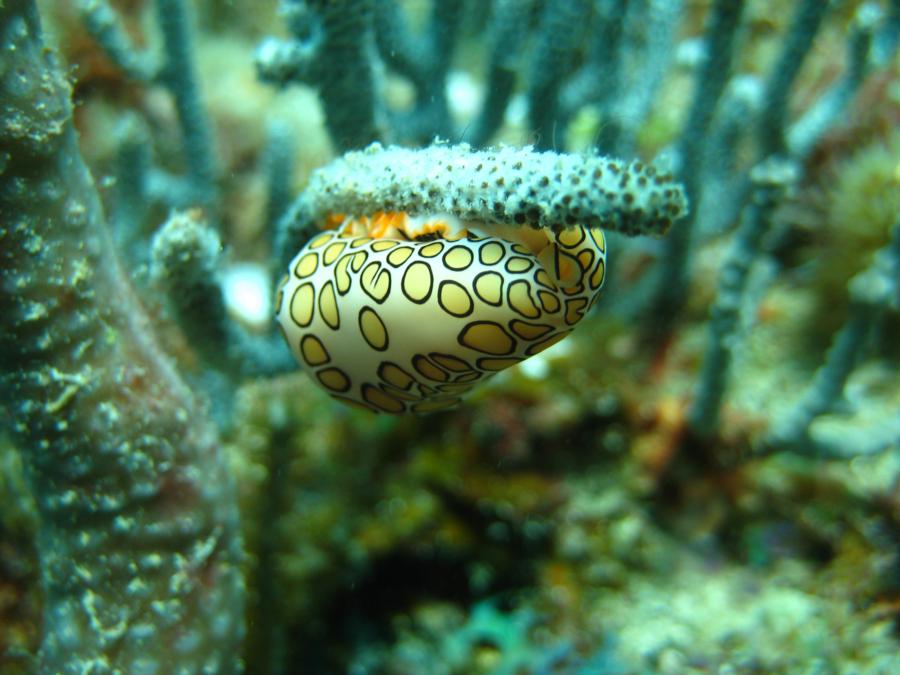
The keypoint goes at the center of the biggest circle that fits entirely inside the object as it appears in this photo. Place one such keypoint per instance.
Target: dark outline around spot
(337, 309)
(430, 284)
(513, 307)
(387, 338)
(472, 324)
(337, 370)
(468, 295)
(478, 295)
(310, 336)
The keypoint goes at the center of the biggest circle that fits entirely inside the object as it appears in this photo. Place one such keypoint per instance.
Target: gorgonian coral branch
(332, 49)
(138, 538)
(504, 186)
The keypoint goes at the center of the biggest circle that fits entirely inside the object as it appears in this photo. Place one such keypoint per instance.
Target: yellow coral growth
(865, 200)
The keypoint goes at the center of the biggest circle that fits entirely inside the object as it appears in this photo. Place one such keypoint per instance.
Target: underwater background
(704, 477)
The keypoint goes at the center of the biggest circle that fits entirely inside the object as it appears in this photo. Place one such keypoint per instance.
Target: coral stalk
(186, 263)
(672, 280)
(872, 291)
(138, 539)
(770, 181)
(180, 76)
(552, 60)
(332, 50)
(832, 106)
(423, 59)
(509, 21)
(797, 43)
(104, 24)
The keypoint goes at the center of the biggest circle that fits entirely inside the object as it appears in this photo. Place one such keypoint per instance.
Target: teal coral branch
(508, 23)
(774, 174)
(552, 60)
(104, 24)
(138, 539)
(177, 71)
(599, 81)
(872, 292)
(180, 76)
(186, 262)
(797, 44)
(332, 49)
(803, 135)
(712, 78)
(607, 50)
(771, 179)
(425, 60)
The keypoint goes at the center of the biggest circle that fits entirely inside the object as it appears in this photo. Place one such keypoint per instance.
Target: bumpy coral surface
(504, 186)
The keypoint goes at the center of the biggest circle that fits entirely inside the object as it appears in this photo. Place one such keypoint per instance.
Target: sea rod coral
(139, 544)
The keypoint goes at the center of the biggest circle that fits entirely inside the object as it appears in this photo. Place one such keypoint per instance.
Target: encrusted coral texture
(139, 545)
(504, 186)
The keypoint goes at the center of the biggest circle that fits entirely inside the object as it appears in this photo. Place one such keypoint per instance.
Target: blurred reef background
(703, 478)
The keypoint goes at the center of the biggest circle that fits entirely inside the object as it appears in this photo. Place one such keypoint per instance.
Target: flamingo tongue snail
(405, 310)
(382, 319)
